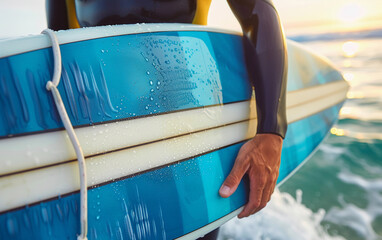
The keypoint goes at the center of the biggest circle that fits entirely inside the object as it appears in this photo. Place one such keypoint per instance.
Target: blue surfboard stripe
(304, 136)
(120, 77)
(148, 204)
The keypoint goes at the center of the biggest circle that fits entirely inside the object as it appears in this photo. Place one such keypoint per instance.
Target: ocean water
(337, 194)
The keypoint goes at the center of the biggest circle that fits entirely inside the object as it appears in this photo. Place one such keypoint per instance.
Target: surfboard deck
(160, 110)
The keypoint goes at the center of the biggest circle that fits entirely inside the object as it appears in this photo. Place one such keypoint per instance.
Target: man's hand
(260, 159)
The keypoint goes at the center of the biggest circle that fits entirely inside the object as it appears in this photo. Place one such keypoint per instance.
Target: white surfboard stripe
(44, 149)
(17, 45)
(50, 148)
(210, 227)
(21, 189)
(309, 101)
(38, 150)
(25, 188)
(301, 96)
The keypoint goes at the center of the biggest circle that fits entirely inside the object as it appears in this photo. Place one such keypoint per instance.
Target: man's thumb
(230, 185)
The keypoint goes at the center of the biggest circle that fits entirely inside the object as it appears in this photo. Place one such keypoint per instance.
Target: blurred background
(337, 194)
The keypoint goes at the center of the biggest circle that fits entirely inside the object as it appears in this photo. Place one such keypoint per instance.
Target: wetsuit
(264, 40)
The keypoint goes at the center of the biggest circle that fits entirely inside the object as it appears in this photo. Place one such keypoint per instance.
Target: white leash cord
(52, 86)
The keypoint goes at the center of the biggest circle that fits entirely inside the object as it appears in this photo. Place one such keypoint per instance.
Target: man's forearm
(266, 61)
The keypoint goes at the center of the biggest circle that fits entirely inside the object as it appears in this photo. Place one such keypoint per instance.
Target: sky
(313, 16)
(330, 15)
(22, 17)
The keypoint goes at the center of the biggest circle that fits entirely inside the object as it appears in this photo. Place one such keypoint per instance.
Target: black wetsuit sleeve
(56, 14)
(266, 61)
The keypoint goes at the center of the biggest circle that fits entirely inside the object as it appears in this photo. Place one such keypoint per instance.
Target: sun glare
(351, 12)
(349, 76)
(337, 131)
(350, 48)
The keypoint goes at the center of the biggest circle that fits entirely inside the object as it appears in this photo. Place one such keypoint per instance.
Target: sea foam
(284, 218)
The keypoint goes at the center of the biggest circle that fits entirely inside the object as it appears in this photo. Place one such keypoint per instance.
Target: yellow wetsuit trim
(72, 18)
(201, 15)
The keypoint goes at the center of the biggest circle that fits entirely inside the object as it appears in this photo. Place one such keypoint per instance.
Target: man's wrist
(271, 135)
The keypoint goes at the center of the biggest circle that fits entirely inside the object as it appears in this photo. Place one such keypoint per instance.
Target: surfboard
(160, 110)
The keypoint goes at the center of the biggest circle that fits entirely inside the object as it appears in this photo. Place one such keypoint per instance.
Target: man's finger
(272, 189)
(257, 184)
(233, 180)
(266, 195)
(274, 183)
